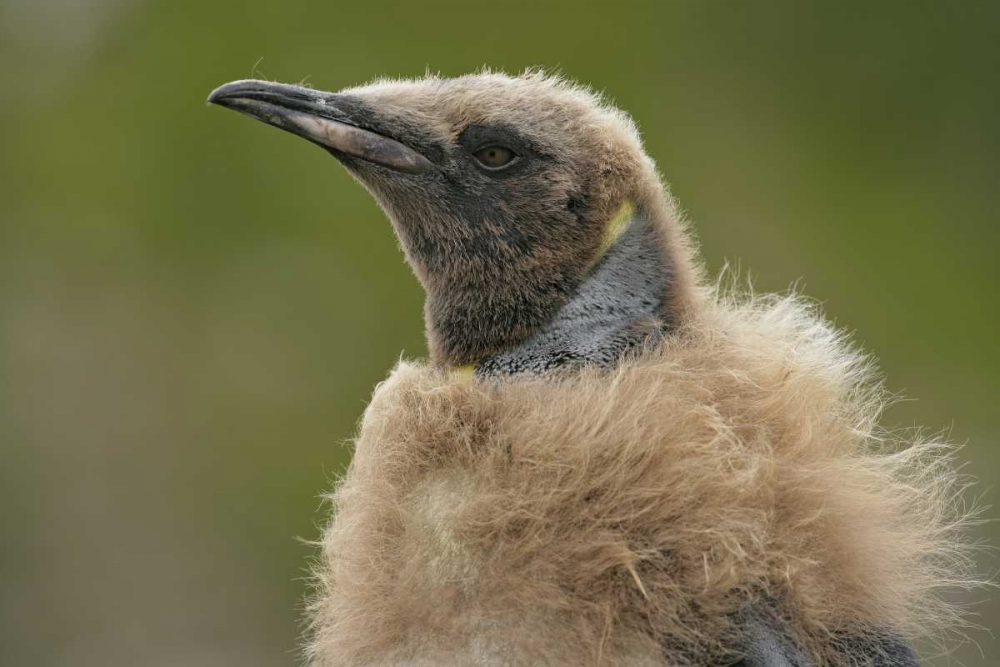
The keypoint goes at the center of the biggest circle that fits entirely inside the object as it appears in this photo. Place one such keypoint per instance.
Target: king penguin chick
(557, 268)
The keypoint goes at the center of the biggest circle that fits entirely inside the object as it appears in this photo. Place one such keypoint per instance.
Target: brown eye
(495, 157)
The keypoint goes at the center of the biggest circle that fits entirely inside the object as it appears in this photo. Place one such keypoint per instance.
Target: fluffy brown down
(592, 519)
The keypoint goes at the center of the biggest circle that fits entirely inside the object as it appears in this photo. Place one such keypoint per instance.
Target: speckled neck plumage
(614, 310)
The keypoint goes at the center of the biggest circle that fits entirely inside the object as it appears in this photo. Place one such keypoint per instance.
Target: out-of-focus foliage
(194, 307)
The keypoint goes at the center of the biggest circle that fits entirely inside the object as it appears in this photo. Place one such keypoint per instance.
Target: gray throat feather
(617, 308)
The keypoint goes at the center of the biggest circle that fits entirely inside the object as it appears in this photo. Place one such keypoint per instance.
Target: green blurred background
(194, 308)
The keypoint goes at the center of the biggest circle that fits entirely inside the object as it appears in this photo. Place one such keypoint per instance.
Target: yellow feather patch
(615, 228)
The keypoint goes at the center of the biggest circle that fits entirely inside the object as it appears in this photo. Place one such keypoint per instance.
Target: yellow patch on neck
(464, 373)
(615, 228)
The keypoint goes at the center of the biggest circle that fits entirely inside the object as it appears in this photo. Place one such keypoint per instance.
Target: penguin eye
(495, 157)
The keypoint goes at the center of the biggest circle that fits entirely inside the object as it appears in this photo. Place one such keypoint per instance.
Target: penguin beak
(325, 119)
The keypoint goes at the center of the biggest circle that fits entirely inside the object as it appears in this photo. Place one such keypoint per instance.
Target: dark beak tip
(232, 89)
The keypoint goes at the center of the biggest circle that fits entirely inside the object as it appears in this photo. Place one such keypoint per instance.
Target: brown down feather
(595, 518)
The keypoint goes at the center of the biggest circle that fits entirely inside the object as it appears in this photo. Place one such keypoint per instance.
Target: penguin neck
(617, 308)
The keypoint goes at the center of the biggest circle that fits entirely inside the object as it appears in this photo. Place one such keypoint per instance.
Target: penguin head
(503, 190)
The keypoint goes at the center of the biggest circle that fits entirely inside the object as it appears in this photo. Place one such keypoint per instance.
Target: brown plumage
(592, 519)
(724, 474)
